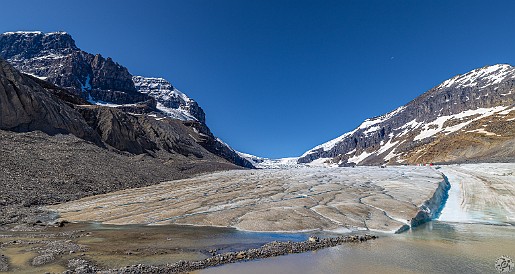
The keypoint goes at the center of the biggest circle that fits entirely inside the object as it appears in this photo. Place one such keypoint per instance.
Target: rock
(43, 259)
(4, 263)
(56, 58)
(313, 239)
(173, 102)
(241, 255)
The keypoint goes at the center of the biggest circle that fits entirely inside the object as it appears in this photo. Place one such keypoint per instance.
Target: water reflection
(435, 247)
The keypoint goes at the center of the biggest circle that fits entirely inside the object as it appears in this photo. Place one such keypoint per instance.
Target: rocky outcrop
(26, 106)
(207, 140)
(169, 99)
(139, 134)
(449, 109)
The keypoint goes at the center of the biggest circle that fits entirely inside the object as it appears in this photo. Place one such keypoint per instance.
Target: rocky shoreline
(272, 249)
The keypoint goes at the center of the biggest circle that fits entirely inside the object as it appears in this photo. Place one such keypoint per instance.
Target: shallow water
(113, 246)
(435, 247)
(116, 246)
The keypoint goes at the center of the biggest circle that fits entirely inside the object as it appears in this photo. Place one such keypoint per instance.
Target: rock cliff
(55, 58)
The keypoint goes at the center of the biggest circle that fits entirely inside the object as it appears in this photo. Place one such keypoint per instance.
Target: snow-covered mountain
(169, 99)
(470, 117)
(267, 163)
(55, 58)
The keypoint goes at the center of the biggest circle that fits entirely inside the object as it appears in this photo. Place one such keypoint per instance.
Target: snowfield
(312, 198)
(480, 193)
(296, 199)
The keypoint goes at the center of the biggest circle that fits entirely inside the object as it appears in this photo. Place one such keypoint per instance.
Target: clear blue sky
(279, 77)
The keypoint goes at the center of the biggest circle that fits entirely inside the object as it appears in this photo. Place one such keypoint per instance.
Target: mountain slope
(27, 106)
(54, 147)
(54, 57)
(466, 118)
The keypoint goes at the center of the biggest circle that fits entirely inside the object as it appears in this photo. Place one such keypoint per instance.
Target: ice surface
(295, 199)
(480, 193)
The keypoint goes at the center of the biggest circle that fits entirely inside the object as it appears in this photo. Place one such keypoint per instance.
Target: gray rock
(26, 106)
(55, 58)
(43, 259)
(4, 263)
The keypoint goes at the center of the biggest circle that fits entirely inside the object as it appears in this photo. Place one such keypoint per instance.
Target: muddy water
(117, 246)
(111, 246)
(435, 247)
(20, 258)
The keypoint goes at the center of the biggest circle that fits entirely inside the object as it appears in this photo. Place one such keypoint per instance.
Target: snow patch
(367, 124)
(359, 158)
(432, 128)
(483, 131)
(179, 114)
(489, 75)
(166, 95)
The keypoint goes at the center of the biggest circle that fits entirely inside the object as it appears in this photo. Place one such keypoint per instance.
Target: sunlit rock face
(55, 58)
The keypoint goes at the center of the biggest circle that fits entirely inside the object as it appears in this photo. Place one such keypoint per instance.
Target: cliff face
(477, 106)
(169, 99)
(27, 106)
(55, 58)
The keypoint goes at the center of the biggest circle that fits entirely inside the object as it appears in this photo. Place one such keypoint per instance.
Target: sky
(278, 77)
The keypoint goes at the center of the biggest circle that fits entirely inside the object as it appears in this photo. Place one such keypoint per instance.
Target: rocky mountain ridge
(169, 99)
(55, 58)
(465, 118)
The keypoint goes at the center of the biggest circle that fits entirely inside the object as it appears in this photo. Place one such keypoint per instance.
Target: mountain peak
(30, 44)
(32, 33)
(487, 75)
(444, 124)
